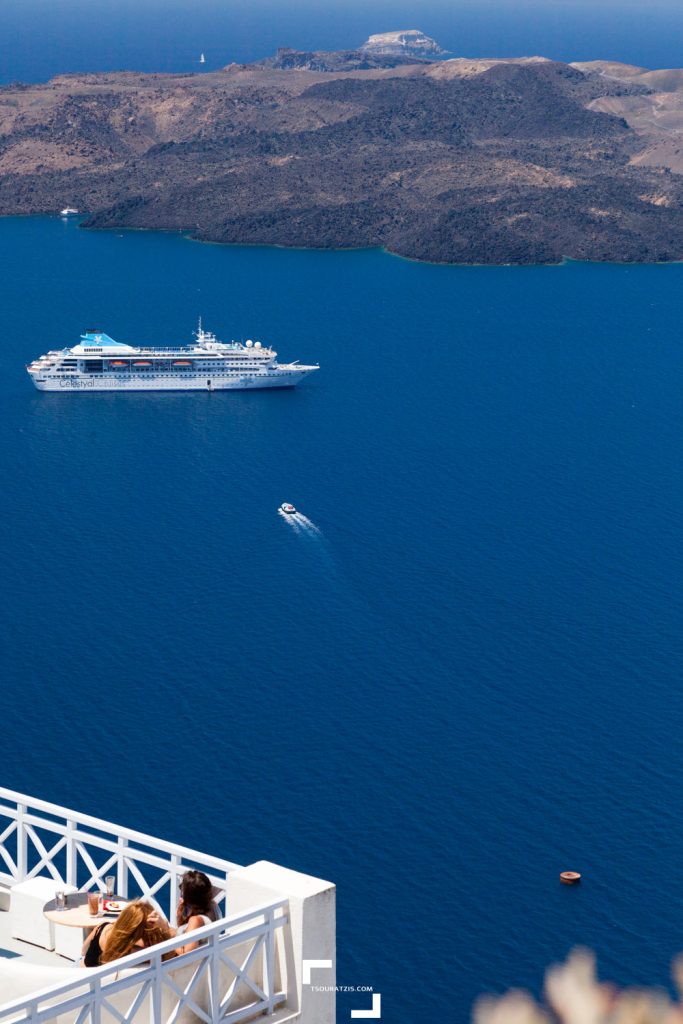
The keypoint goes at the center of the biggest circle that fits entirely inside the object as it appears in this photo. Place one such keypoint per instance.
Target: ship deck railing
(232, 346)
(235, 974)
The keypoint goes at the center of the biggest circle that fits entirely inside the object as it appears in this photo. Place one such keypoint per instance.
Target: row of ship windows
(175, 373)
(215, 375)
(165, 370)
(96, 367)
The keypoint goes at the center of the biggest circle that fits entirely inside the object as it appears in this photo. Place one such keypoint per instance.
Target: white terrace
(249, 965)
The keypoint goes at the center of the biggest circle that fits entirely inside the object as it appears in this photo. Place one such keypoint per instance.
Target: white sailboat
(202, 59)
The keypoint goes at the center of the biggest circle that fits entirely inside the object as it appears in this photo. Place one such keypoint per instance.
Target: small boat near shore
(68, 211)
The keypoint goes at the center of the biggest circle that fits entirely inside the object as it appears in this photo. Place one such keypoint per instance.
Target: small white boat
(68, 211)
(202, 59)
(287, 508)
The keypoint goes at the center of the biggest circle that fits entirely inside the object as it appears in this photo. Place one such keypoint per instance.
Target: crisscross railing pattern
(39, 838)
(233, 975)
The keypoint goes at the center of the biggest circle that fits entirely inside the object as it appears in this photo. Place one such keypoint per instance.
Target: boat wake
(306, 524)
(313, 541)
(300, 523)
(292, 519)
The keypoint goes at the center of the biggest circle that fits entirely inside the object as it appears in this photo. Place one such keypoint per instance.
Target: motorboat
(287, 508)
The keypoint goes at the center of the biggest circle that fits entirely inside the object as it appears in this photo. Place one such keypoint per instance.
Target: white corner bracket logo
(375, 1013)
(310, 964)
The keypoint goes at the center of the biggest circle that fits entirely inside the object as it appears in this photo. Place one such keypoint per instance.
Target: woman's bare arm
(193, 923)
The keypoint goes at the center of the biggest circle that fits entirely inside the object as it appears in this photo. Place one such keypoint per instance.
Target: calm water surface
(42, 38)
(466, 680)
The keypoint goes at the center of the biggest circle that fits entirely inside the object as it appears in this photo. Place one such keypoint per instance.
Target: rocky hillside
(511, 161)
(654, 111)
(409, 43)
(286, 59)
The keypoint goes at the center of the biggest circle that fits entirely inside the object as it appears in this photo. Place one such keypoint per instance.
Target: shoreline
(185, 234)
(517, 162)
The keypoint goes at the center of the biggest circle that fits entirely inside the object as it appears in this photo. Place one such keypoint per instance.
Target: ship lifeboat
(182, 362)
(118, 362)
(287, 508)
(142, 362)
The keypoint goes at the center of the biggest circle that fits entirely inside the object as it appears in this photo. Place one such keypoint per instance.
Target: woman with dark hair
(196, 906)
(139, 925)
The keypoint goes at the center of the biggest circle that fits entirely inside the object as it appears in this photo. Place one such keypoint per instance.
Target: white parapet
(270, 956)
(312, 933)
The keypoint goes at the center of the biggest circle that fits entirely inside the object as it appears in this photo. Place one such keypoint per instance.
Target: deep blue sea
(41, 38)
(465, 677)
(464, 681)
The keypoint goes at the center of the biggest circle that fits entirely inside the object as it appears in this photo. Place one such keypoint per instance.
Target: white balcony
(249, 964)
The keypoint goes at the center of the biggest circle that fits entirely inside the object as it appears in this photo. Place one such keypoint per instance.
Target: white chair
(27, 900)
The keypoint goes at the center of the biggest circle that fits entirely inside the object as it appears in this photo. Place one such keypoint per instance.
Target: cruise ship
(98, 363)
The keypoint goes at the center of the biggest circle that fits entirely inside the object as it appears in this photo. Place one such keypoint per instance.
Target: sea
(454, 675)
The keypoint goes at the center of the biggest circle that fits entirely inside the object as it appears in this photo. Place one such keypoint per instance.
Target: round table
(76, 913)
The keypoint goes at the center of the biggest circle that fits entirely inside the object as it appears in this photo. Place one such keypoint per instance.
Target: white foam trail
(315, 541)
(290, 519)
(306, 523)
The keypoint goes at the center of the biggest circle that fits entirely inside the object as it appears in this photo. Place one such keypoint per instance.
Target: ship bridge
(96, 343)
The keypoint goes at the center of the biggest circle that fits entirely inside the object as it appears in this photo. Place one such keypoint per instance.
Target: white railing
(235, 974)
(39, 838)
(232, 976)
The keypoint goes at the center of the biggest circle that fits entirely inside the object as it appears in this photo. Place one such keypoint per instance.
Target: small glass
(93, 903)
(110, 881)
(60, 900)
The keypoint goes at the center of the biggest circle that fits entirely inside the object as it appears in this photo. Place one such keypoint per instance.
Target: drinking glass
(93, 903)
(109, 882)
(60, 900)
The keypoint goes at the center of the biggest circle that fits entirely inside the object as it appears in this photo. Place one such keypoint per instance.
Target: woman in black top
(137, 927)
(91, 947)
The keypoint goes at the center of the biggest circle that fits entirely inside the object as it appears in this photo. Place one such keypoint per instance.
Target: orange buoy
(570, 877)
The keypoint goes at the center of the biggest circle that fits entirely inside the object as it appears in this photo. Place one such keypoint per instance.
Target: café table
(76, 914)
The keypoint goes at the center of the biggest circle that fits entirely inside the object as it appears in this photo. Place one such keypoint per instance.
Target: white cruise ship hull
(98, 363)
(287, 379)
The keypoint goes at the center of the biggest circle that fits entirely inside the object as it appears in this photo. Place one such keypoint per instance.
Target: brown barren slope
(513, 161)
